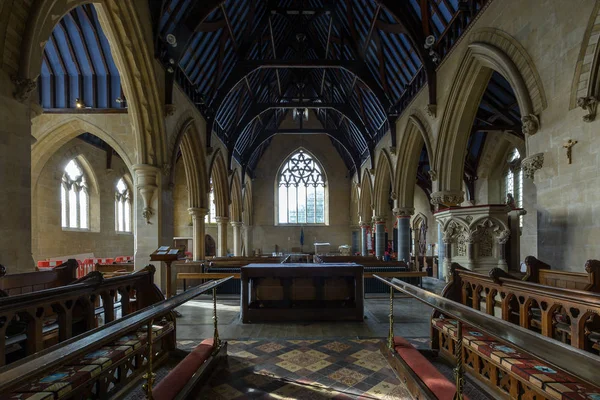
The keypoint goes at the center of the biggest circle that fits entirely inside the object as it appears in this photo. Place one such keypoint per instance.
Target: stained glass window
(74, 198)
(301, 191)
(122, 207)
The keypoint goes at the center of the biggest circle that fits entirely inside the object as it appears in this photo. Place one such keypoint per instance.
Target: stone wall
(266, 235)
(49, 239)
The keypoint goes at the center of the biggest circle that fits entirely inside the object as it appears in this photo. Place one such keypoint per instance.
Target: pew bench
(420, 376)
(28, 282)
(539, 272)
(191, 372)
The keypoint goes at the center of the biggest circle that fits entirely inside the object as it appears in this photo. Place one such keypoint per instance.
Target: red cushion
(179, 376)
(441, 387)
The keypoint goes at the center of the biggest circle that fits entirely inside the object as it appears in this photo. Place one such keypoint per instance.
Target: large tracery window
(211, 216)
(75, 199)
(301, 191)
(513, 182)
(122, 207)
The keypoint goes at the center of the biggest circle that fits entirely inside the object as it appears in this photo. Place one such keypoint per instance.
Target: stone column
(222, 236)
(403, 216)
(441, 251)
(379, 238)
(237, 237)
(15, 174)
(364, 247)
(447, 257)
(501, 249)
(198, 234)
(470, 242)
(247, 233)
(147, 214)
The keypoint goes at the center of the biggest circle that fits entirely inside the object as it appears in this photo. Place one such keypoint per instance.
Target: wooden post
(391, 332)
(216, 340)
(168, 278)
(459, 371)
(149, 376)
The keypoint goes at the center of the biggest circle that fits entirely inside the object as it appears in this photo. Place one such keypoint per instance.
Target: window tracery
(301, 191)
(75, 200)
(122, 207)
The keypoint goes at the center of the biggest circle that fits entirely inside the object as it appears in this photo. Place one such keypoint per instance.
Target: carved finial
(592, 265)
(531, 124)
(23, 88)
(589, 104)
(497, 273)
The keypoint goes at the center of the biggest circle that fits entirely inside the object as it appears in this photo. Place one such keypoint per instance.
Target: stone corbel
(589, 104)
(447, 198)
(170, 110)
(531, 124)
(433, 175)
(23, 88)
(531, 164)
(393, 150)
(146, 182)
(431, 110)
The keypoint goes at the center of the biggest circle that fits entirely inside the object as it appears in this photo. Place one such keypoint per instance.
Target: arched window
(122, 207)
(211, 217)
(301, 191)
(513, 180)
(75, 199)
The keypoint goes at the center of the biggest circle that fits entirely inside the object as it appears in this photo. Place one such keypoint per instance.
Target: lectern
(167, 254)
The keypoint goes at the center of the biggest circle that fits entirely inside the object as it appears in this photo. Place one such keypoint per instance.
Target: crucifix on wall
(568, 146)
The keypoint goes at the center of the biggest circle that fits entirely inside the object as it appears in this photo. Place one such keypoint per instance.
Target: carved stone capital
(531, 164)
(393, 150)
(198, 212)
(433, 175)
(531, 124)
(403, 211)
(170, 110)
(237, 224)
(431, 110)
(589, 104)
(222, 220)
(447, 198)
(23, 88)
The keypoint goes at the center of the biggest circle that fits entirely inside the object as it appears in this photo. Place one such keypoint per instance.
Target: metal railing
(578, 362)
(22, 371)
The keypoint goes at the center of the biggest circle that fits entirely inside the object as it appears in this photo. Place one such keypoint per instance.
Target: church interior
(299, 199)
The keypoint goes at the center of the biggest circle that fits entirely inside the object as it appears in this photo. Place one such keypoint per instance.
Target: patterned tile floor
(304, 370)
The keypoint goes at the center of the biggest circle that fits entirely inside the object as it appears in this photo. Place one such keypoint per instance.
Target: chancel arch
(235, 212)
(383, 189)
(482, 58)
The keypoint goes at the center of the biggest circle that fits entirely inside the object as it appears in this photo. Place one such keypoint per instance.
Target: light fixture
(300, 113)
(172, 40)
(79, 103)
(119, 100)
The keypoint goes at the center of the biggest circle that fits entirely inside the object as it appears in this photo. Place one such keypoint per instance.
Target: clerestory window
(75, 199)
(301, 191)
(122, 207)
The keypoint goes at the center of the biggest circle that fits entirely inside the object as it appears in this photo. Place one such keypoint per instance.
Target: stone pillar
(247, 233)
(501, 249)
(222, 236)
(379, 238)
(364, 246)
(403, 216)
(198, 232)
(237, 238)
(470, 253)
(147, 215)
(441, 251)
(15, 174)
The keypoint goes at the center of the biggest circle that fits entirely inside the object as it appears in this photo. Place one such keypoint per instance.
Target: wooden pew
(540, 272)
(27, 282)
(41, 319)
(569, 315)
(108, 361)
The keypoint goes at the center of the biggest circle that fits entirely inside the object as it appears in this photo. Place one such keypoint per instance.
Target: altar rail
(27, 282)
(542, 273)
(495, 369)
(40, 319)
(128, 369)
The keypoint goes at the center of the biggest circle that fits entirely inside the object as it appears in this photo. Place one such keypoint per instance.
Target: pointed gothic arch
(218, 173)
(384, 178)
(366, 198)
(236, 198)
(132, 52)
(490, 50)
(247, 216)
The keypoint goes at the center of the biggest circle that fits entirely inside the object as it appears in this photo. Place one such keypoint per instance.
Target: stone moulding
(447, 198)
(589, 104)
(531, 164)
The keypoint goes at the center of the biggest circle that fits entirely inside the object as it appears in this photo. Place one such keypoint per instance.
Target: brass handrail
(578, 362)
(21, 371)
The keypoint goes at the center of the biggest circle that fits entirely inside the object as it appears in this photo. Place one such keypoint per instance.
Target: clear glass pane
(310, 204)
(127, 210)
(121, 186)
(83, 210)
(301, 204)
(213, 207)
(292, 210)
(283, 209)
(320, 213)
(73, 171)
(63, 205)
(120, 216)
(72, 208)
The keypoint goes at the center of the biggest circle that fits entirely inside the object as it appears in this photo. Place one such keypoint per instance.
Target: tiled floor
(304, 369)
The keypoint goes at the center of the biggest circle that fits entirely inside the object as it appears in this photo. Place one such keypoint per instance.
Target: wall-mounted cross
(568, 146)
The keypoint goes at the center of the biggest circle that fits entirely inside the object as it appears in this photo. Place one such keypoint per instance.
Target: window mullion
(78, 205)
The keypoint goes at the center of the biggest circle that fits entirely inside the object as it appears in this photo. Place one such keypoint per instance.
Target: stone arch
(488, 52)
(418, 220)
(218, 173)
(366, 198)
(247, 204)
(586, 80)
(384, 178)
(236, 198)
(55, 137)
(189, 142)
(416, 135)
(354, 204)
(133, 57)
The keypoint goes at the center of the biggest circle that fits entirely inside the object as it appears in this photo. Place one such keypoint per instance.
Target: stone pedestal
(198, 215)
(222, 236)
(479, 237)
(237, 238)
